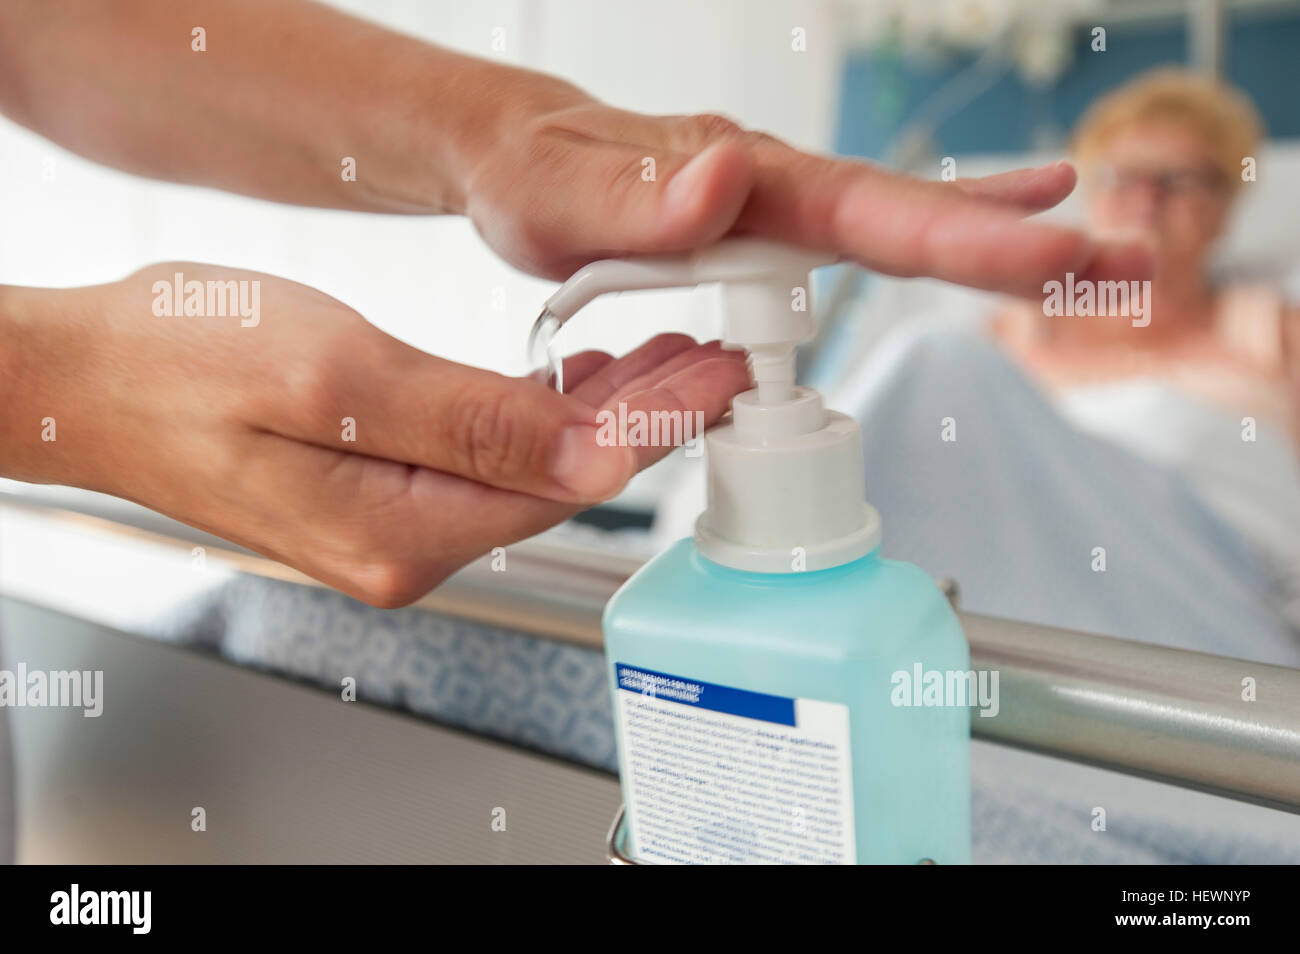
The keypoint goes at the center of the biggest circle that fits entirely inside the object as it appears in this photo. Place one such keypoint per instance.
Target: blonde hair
(1224, 118)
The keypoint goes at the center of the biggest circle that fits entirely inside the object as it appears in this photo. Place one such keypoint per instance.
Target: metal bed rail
(1213, 723)
(1167, 714)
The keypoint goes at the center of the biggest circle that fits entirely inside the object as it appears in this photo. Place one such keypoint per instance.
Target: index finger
(910, 227)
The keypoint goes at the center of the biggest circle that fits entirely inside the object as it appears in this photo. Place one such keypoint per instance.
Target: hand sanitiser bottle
(782, 693)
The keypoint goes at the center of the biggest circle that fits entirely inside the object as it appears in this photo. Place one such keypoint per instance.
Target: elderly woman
(1208, 385)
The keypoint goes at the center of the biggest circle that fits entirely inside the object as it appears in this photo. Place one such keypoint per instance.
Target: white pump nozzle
(765, 291)
(785, 475)
(741, 259)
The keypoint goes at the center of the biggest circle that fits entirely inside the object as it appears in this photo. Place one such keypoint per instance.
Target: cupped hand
(314, 438)
(588, 181)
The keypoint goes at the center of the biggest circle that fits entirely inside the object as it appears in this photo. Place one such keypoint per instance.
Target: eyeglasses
(1166, 182)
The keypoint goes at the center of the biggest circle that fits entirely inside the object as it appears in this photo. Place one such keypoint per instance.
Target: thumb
(518, 434)
(701, 200)
(510, 433)
(621, 199)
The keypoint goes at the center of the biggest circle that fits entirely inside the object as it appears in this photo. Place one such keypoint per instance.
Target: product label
(718, 775)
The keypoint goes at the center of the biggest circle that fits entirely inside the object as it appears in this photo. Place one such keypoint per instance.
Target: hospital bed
(415, 770)
(490, 692)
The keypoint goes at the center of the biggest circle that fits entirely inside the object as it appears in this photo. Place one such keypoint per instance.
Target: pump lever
(737, 259)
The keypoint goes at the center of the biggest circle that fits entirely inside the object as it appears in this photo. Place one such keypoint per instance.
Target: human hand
(567, 187)
(244, 430)
(552, 178)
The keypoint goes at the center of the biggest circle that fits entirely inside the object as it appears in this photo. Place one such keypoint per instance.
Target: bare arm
(552, 178)
(275, 436)
(283, 92)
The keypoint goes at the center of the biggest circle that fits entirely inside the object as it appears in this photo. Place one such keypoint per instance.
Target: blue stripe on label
(706, 695)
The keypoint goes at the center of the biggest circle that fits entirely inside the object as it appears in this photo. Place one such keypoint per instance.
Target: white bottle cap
(785, 486)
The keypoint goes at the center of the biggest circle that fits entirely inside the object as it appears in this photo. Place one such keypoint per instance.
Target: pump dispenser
(785, 474)
(773, 678)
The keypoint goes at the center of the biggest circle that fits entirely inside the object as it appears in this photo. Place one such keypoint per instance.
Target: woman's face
(1159, 180)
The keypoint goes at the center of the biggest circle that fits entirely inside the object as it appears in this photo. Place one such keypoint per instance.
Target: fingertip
(1033, 189)
(1063, 175)
(709, 384)
(717, 348)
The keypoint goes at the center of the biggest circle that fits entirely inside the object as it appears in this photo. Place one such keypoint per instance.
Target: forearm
(285, 91)
(38, 356)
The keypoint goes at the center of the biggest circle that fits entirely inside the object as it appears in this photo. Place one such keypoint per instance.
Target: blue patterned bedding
(537, 693)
